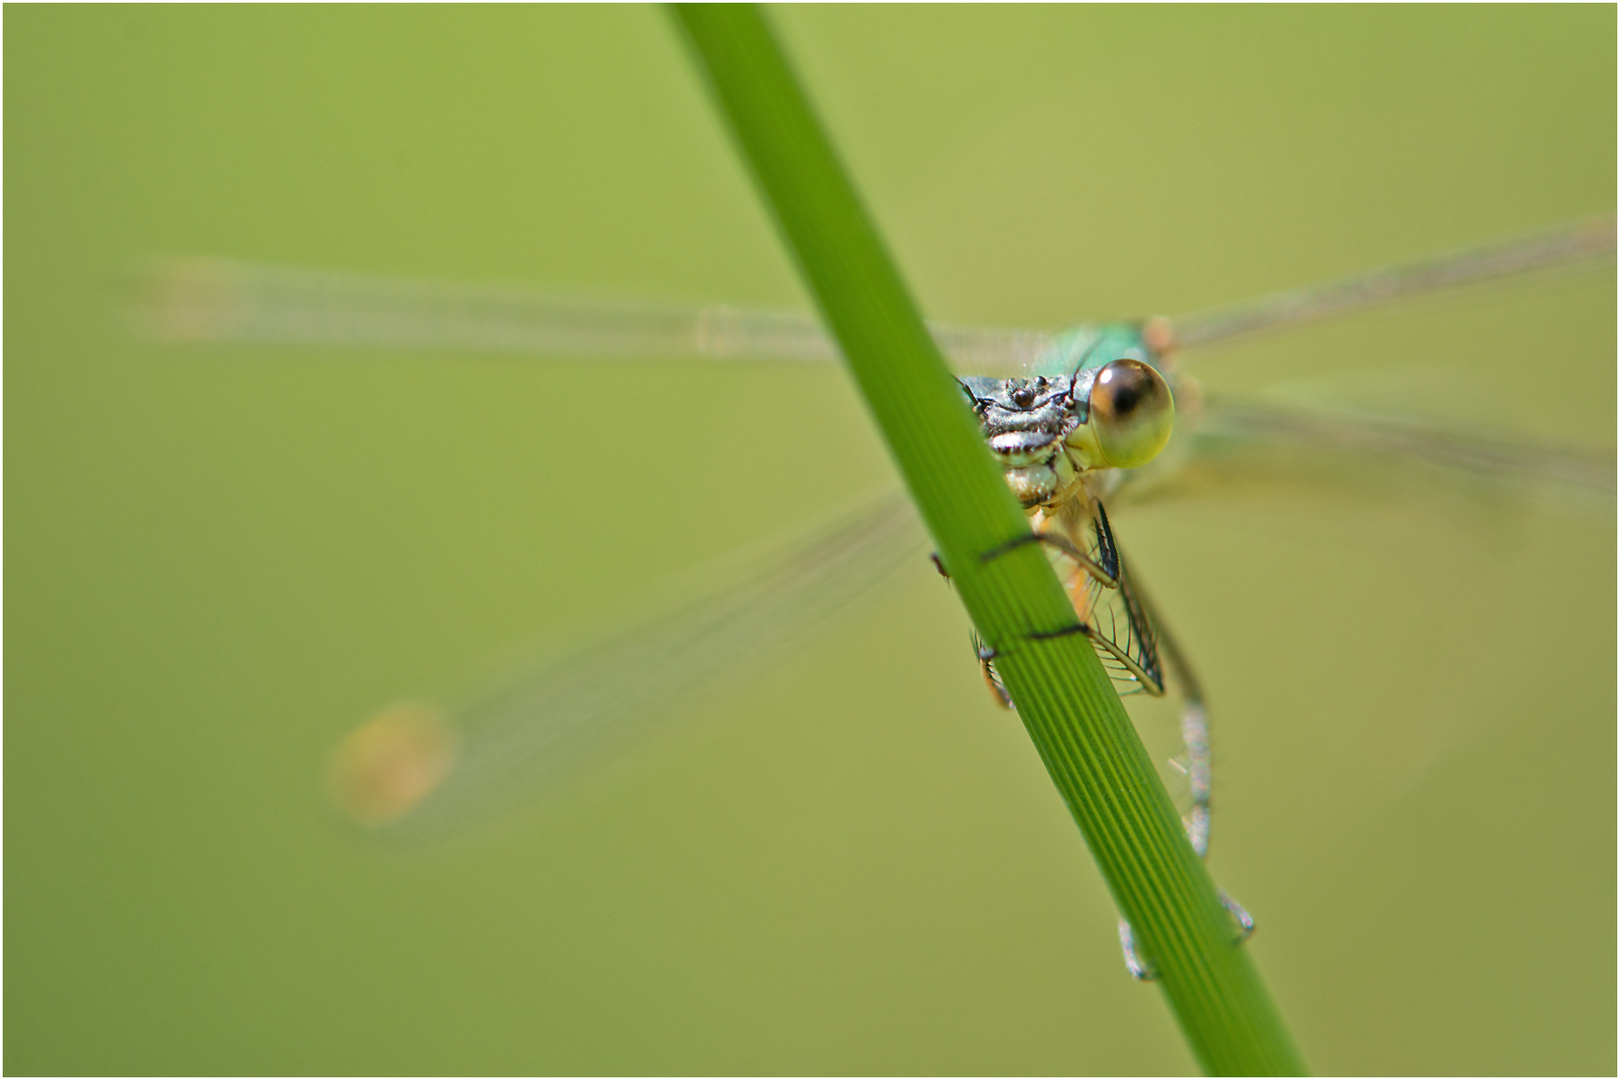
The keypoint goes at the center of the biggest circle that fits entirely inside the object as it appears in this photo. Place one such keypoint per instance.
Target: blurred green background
(219, 560)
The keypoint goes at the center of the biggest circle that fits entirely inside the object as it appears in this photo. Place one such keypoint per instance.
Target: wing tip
(188, 299)
(391, 764)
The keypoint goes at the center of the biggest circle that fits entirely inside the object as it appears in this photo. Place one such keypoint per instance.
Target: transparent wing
(202, 299)
(1119, 624)
(1590, 242)
(224, 301)
(1234, 442)
(415, 771)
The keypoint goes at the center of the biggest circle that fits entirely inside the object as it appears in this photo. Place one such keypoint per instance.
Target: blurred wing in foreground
(1233, 444)
(207, 300)
(1584, 242)
(415, 771)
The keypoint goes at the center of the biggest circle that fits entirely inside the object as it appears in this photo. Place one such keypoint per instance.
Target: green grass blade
(1064, 697)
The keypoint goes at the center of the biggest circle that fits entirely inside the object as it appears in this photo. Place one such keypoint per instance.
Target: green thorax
(1087, 348)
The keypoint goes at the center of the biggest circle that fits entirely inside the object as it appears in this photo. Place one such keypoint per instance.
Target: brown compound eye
(1131, 412)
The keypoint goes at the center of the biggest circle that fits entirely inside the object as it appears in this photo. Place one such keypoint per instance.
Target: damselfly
(1082, 420)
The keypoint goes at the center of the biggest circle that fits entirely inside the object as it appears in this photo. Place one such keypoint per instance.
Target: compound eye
(1131, 412)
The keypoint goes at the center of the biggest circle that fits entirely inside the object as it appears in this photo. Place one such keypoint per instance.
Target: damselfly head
(1048, 431)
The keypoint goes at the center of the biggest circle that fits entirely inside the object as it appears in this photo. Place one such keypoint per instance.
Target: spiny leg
(1105, 571)
(987, 668)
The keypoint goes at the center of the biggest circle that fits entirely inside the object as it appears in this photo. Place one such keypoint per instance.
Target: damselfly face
(1105, 407)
